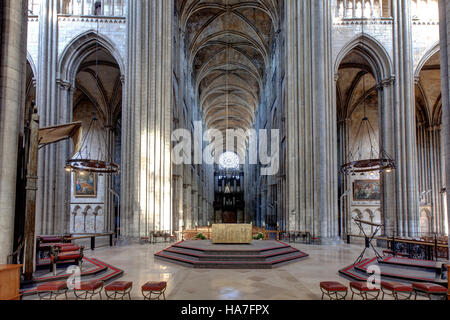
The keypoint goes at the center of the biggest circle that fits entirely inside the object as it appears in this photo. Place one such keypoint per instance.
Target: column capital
(346, 121)
(387, 82)
(65, 85)
(435, 128)
(336, 77)
(416, 80)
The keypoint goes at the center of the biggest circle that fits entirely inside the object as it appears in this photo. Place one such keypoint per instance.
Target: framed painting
(366, 190)
(85, 185)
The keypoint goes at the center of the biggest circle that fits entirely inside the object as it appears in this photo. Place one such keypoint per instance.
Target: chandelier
(94, 155)
(357, 161)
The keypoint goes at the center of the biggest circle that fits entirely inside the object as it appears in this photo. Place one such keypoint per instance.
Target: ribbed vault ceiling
(229, 44)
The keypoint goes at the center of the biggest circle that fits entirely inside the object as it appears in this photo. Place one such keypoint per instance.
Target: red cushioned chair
(87, 290)
(365, 291)
(398, 290)
(156, 288)
(334, 290)
(118, 290)
(52, 290)
(430, 289)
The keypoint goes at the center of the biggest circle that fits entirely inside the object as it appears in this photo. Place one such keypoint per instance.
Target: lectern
(10, 282)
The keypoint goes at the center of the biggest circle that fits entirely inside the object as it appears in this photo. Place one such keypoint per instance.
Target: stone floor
(297, 281)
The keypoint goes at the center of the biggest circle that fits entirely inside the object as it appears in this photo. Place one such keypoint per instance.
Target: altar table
(232, 233)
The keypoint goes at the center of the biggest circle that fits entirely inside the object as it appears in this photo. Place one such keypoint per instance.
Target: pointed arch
(431, 52)
(376, 55)
(32, 64)
(80, 48)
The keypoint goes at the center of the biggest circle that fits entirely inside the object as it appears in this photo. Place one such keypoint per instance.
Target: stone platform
(256, 255)
(398, 269)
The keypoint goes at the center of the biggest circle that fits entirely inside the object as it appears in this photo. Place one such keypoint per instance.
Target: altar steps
(397, 269)
(259, 255)
(93, 269)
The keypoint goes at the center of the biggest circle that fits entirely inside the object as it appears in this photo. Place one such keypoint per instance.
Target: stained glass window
(229, 160)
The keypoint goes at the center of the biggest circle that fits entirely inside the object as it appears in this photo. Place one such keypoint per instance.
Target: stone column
(194, 207)
(147, 197)
(178, 217)
(443, 173)
(108, 208)
(63, 180)
(344, 137)
(404, 113)
(311, 120)
(444, 17)
(13, 40)
(389, 199)
(187, 198)
(49, 195)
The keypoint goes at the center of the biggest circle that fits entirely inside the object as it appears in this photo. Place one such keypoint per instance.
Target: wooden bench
(162, 235)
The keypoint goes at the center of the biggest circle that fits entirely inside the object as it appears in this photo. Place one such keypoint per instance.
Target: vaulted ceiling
(228, 45)
(428, 92)
(356, 84)
(98, 82)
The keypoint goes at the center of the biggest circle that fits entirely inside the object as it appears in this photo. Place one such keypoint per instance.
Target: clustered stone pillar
(51, 96)
(444, 21)
(146, 177)
(13, 33)
(187, 203)
(311, 120)
(406, 203)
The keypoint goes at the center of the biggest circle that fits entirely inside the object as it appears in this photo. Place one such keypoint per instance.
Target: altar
(232, 233)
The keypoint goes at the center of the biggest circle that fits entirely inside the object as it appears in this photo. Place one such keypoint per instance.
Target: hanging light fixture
(378, 160)
(92, 157)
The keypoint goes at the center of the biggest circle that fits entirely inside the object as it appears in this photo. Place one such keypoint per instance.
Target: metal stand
(369, 238)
